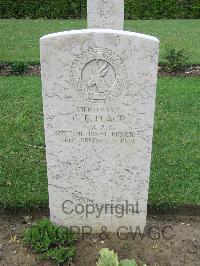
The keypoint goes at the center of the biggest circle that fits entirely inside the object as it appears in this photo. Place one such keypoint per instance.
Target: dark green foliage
(176, 60)
(134, 9)
(18, 68)
(60, 254)
(53, 241)
(157, 9)
(42, 9)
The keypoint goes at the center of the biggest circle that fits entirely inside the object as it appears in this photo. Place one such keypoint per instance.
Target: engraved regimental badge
(99, 75)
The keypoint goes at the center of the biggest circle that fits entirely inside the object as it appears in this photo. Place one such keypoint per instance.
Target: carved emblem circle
(99, 75)
(105, 8)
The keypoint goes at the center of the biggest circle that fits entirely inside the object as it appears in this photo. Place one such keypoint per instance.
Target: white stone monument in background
(105, 14)
(99, 89)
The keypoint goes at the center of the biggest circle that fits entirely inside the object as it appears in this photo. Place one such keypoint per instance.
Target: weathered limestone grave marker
(99, 88)
(106, 14)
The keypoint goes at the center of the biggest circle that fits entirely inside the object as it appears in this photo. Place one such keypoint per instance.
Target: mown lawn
(20, 38)
(23, 180)
(175, 175)
(176, 159)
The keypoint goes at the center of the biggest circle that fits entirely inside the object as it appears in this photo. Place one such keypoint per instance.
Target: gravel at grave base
(34, 70)
(182, 249)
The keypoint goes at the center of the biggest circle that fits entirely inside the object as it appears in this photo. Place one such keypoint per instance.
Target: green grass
(50, 241)
(175, 175)
(20, 38)
(176, 160)
(23, 180)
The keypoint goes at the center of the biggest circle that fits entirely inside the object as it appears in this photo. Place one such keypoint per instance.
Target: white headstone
(105, 14)
(99, 89)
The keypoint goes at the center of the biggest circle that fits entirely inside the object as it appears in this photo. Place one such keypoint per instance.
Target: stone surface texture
(105, 14)
(99, 89)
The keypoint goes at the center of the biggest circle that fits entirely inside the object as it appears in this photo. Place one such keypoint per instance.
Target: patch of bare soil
(168, 241)
(33, 70)
(190, 71)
